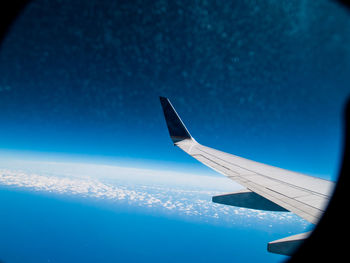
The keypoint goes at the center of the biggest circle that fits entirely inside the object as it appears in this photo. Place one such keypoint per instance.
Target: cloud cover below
(170, 193)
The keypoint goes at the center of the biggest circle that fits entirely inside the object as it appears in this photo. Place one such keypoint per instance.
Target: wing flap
(247, 199)
(288, 245)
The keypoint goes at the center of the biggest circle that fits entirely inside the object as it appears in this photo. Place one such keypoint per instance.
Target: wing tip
(177, 129)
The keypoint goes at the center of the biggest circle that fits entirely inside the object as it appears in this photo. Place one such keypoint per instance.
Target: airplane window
(86, 158)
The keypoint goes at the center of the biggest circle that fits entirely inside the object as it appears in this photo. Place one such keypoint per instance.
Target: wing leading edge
(267, 187)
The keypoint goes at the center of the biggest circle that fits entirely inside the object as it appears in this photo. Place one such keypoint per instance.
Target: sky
(80, 81)
(267, 81)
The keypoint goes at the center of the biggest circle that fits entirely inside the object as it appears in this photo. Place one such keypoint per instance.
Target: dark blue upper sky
(265, 80)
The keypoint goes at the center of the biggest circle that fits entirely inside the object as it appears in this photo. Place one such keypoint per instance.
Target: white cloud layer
(157, 191)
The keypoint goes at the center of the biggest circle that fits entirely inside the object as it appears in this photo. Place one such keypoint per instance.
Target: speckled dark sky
(262, 79)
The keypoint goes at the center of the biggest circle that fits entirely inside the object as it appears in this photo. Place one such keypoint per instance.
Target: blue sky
(267, 81)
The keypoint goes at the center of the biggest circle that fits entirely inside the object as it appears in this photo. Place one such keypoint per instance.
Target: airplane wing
(267, 187)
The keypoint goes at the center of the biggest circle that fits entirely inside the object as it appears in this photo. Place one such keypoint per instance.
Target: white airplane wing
(267, 187)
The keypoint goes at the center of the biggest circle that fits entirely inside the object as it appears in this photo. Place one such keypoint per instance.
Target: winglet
(176, 127)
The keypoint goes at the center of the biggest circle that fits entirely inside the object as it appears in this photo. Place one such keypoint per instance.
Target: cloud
(172, 193)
